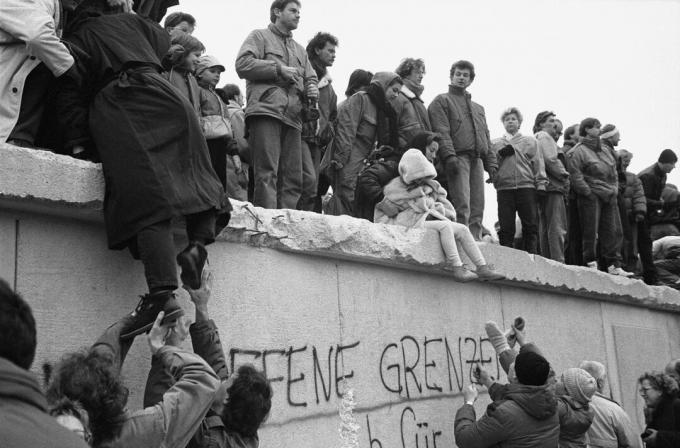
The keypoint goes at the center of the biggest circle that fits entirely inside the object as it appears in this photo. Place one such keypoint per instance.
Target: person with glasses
(662, 410)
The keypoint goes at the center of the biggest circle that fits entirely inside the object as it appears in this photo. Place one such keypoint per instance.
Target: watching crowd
(102, 80)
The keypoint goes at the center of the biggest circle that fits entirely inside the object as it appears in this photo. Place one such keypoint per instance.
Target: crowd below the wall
(101, 80)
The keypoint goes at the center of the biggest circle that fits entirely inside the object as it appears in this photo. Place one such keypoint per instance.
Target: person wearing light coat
(30, 49)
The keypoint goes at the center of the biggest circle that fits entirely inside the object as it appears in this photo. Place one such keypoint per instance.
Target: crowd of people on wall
(102, 80)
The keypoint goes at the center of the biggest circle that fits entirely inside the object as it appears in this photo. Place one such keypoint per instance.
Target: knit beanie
(414, 165)
(207, 61)
(609, 130)
(667, 156)
(531, 369)
(580, 385)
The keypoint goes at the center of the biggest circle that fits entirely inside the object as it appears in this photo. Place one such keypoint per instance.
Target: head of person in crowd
(428, 143)
(17, 328)
(384, 87)
(72, 416)
(358, 81)
(208, 71)
(512, 120)
(91, 379)
(559, 127)
(188, 56)
(589, 128)
(462, 74)
(598, 371)
(531, 369)
(654, 387)
(673, 369)
(412, 72)
(321, 52)
(231, 92)
(285, 14)
(179, 23)
(624, 157)
(667, 160)
(571, 136)
(248, 401)
(610, 134)
(578, 384)
(545, 121)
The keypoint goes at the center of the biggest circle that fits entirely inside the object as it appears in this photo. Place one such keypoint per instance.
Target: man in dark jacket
(24, 421)
(279, 79)
(653, 182)
(317, 134)
(526, 416)
(465, 147)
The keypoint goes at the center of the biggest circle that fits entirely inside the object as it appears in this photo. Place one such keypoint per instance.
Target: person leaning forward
(279, 78)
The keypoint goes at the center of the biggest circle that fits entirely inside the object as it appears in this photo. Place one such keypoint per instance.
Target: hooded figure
(364, 120)
(575, 390)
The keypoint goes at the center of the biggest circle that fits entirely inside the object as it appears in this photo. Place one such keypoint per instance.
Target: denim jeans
(277, 162)
(310, 176)
(521, 201)
(598, 226)
(466, 188)
(553, 225)
(644, 240)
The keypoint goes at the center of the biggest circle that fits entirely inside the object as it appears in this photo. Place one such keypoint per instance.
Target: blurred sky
(617, 60)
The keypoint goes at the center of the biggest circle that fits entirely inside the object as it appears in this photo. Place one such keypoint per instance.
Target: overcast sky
(617, 60)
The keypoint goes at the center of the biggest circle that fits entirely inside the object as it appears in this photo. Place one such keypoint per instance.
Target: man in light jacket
(611, 427)
(279, 81)
(465, 148)
(30, 53)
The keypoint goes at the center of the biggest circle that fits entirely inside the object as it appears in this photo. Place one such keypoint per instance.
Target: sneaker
(462, 274)
(592, 265)
(615, 270)
(192, 261)
(147, 310)
(486, 272)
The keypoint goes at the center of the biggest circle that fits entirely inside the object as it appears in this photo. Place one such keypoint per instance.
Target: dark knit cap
(667, 156)
(531, 369)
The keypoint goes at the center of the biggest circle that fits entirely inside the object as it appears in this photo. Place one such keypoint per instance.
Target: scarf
(592, 143)
(417, 89)
(387, 124)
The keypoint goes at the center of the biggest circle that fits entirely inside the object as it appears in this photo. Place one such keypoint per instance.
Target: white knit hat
(580, 385)
(207, 61)
(414, 165)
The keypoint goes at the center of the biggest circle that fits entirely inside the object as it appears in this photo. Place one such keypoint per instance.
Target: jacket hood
(20, 384)
(537, 401)
(414, 165)
(384, 79)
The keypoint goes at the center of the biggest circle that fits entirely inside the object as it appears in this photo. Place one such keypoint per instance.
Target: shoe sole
(488, 278)
(190, 275)
(167, 318)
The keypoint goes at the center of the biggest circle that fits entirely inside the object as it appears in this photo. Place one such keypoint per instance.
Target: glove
(492, 176)
(506, 151)
(451, 166)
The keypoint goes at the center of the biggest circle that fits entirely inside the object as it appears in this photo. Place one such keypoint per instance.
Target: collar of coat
(278, 32)
(458, 91)
(325, 81)
(20, 384)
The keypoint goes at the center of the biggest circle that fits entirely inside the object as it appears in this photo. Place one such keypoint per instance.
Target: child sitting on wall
(215, 120)
(415, 199)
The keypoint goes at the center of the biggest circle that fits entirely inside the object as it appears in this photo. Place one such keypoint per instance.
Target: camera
(310, 110)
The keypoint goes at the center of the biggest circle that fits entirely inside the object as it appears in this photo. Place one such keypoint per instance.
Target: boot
(147, 310)
(192, 261)
(463, 275)
(485, 272)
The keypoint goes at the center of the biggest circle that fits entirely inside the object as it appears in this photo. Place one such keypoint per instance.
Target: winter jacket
(593, 171)
(212, 104)
(526, 418)
(450, 116)
(555, 163)
(524, 168)
(370, 184)
(24, 421)
(407, 204)
(237, 118)
(320, 133)
(187, 84)
(29, 35)
(412, 115)
(611, 426)
(575, 419)
(665, 418)
(172, 421)
(259, 62)
(634, 195)
(653, 182)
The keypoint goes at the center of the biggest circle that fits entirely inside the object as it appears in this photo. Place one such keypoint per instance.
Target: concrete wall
(327, 305)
